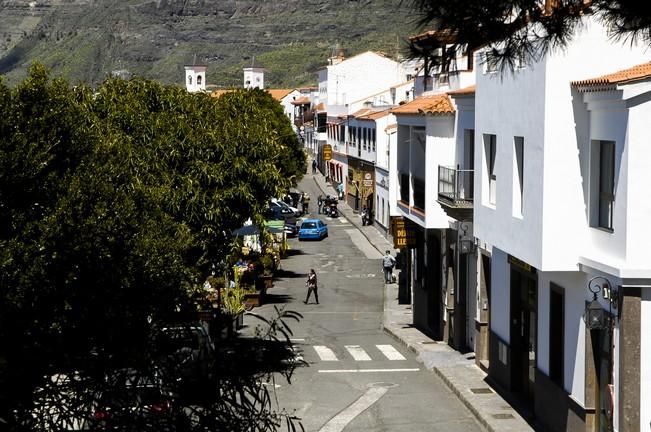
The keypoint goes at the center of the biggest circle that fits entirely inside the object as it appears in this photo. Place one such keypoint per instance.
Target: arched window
(189, 80)
(199, 80)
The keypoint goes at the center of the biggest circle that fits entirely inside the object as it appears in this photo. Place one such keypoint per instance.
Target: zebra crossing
(359, 353)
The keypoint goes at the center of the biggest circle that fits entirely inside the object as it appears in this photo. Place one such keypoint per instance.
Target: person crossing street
(312, 287)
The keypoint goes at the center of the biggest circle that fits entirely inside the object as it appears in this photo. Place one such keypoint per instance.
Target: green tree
(113, 204)
(526, 29)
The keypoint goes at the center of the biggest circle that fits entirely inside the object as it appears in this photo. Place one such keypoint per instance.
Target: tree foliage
(113, 203)
(524, 29)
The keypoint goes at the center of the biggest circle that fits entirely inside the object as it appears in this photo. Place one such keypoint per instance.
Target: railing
(419, 193)
(456, 185)
(404, 187)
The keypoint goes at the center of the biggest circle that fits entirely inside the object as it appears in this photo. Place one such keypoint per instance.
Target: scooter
(332, 211)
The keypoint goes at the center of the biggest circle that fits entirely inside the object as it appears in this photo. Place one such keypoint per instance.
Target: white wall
(638, 236)
(440, 151)
(575, 296)
(359, 76)
(590, 55)
(509, 106)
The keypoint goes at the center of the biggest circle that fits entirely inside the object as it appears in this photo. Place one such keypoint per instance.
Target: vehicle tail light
(101, 415)
(161, 407)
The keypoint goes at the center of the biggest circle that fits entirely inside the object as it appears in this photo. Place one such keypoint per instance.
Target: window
(373, 138)
(364, 137)
(190, 80)
(490, 149)
(491, 61)
(556, 333)
(518, 173)
(606, 183)
(198, 79)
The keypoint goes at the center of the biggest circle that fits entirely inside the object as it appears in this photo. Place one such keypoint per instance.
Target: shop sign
(404, 235)
(327, 152)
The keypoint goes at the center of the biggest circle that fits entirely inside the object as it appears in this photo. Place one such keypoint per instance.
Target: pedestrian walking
(313, 166)
(364, 216)
(388, 263)
(312, 287)
(319, 202)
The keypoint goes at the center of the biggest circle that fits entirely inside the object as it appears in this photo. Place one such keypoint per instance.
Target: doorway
(524, 338)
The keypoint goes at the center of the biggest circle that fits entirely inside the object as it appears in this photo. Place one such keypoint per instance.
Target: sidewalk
(458, 372)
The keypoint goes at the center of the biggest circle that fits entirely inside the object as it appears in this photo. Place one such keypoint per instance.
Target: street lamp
(595, 316)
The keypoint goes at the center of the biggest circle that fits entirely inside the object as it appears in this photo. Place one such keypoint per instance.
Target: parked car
(62, 403)
(135, 399)
(278, 213)
(313, 229)
(283, 205)
(190, 354)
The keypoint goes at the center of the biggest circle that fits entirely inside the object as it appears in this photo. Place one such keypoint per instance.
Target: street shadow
(295, 252)
(288, 274)
(277, 298)
(247, 357)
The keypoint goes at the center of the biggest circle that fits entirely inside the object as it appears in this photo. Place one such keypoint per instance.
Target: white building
(559, 178)
(195, 78)
(430, 137)
(254, 76)
(344, 81)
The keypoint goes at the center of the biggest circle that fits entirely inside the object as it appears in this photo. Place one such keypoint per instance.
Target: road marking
(297, 340)
(367, 370)
(329, 263)
(339, 422)
(390, 352)
(325, 353)
(357, 352)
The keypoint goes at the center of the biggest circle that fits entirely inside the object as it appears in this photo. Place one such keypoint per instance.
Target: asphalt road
(358, 378)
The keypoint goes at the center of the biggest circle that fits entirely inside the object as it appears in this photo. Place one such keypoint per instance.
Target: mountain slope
(84, 40)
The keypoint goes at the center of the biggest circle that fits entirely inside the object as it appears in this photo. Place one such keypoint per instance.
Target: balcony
(456, 187)
(305, 117)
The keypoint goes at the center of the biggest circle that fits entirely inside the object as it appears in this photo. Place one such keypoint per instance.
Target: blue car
(313, 229)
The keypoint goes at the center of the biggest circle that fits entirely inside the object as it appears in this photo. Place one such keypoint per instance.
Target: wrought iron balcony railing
(456, 185)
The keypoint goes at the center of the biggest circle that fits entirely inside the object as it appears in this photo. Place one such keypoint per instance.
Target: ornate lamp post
(595, 316)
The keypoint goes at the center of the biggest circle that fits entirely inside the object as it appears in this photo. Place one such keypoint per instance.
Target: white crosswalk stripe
(390, 352)
(357, 352)
(325, 353)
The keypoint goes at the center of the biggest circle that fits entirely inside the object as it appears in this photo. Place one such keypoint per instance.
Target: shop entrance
(523, 333)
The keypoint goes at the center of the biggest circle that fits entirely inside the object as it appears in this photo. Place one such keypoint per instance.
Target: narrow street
(358, 378)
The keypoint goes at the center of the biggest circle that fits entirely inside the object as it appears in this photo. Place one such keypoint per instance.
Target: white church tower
(195, 78)
(254, 76)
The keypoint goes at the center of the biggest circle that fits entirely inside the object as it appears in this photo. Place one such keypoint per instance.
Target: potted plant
(268, 267)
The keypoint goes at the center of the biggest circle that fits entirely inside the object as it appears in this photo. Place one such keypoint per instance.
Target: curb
(464, 400)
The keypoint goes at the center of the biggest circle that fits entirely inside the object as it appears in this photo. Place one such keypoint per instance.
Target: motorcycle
(332, 211)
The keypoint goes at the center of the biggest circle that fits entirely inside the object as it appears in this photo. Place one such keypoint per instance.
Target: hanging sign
(327, 152)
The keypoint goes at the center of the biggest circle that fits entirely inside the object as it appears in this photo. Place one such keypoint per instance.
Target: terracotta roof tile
(463, 91)
(320, 107)
(631, 74)
(391, 127)
(279, 94)
(441, 36)
(438, 104)
(303, 100)
(374, 115)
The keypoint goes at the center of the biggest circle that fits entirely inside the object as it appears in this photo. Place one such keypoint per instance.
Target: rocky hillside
(84, 40)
